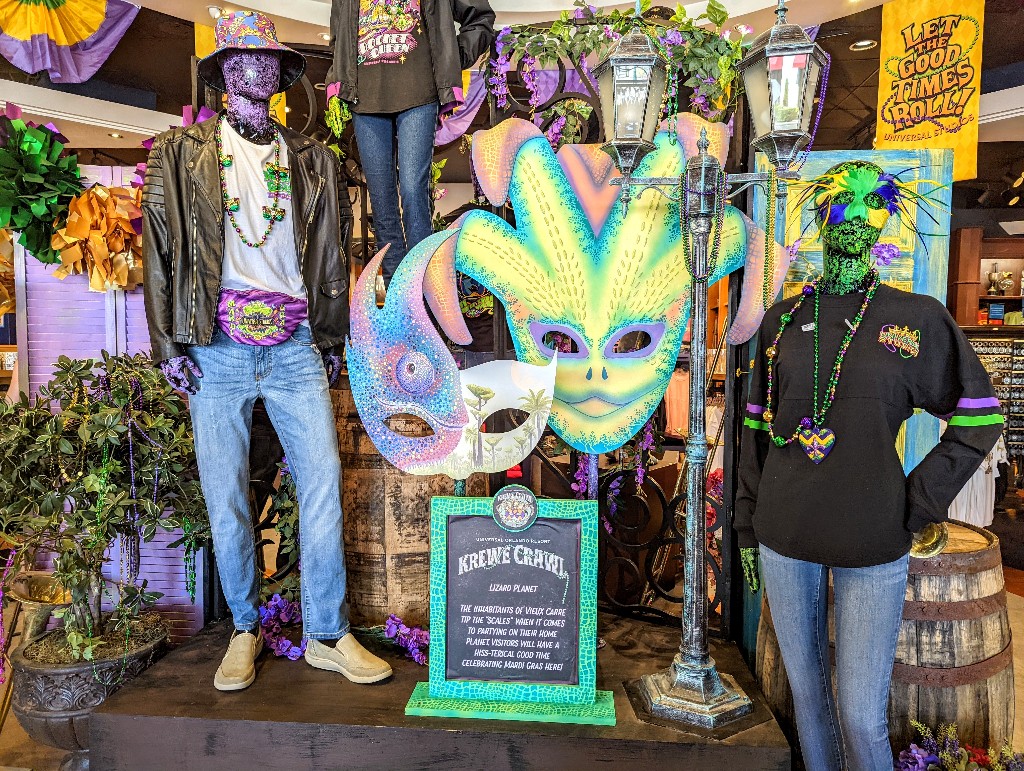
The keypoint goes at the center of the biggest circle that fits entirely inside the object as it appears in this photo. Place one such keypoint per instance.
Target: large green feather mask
(604, 284)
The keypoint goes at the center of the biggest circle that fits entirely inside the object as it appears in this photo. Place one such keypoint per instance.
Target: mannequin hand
(750, 571)
(332, 363)
(176, 372)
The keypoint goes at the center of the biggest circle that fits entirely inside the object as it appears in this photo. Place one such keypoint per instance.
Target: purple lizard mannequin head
(251, 78)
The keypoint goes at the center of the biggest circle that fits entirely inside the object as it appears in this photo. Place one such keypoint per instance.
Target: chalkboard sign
(513, 605)
(513, 601)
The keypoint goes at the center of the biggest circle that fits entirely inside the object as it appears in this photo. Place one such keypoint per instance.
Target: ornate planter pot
(53, 701)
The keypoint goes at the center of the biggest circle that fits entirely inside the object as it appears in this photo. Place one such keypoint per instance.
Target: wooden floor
(1014, 581)
(295, 717)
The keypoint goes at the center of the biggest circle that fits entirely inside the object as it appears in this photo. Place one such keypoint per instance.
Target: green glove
(337, 116)
(750, 571)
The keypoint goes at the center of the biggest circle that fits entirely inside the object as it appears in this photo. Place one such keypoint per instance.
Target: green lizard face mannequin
(852, 208)
(852, 202)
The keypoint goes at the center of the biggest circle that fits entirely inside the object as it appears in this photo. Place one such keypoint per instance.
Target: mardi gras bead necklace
(815, 440)
(273, 213)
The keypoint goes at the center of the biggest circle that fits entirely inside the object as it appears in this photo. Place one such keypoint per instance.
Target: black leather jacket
(183, 238)
(450, 53)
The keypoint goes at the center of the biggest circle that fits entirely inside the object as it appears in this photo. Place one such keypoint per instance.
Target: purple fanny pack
(255, 317)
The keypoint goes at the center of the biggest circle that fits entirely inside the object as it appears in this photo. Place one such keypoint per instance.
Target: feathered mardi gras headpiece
(859, 190)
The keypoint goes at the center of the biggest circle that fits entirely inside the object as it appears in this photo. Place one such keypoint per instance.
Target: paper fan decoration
(103, 238)
(70, 39)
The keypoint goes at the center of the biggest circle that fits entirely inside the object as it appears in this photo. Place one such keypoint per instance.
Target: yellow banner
(929, 85)
(206, 44)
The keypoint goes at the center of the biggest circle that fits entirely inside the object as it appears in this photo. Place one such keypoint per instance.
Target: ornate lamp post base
(699, 696)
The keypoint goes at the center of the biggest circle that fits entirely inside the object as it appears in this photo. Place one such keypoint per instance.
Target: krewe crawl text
(506, 555)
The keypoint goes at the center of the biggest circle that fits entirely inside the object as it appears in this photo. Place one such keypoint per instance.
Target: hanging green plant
(38, 180)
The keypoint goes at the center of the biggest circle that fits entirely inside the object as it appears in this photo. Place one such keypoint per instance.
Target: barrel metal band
(954, 677)
(963, 562)
(954, 610)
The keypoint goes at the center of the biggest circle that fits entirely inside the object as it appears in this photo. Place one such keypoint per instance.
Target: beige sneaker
(237, 670)
(349, 658)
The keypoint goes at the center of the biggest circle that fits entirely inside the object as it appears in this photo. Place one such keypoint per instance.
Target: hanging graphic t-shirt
(395, 71)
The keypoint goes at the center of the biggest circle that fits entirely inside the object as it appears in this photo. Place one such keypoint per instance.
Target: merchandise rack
(1001, 350)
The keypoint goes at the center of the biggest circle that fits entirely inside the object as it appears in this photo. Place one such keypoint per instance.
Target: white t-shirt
(275, 266)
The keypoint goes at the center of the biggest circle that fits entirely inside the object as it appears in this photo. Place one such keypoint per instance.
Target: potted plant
(103, 456)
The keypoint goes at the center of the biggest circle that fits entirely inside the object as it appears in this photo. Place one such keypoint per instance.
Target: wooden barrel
(387, 522)
(954, 658)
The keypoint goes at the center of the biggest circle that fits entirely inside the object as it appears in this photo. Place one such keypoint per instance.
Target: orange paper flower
(6, 272)
(103, 238)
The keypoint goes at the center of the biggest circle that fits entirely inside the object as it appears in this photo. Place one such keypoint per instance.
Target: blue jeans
(852, 734)
(375, 135)
(293, 383)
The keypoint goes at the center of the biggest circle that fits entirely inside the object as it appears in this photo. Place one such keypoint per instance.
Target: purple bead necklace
(815, 440)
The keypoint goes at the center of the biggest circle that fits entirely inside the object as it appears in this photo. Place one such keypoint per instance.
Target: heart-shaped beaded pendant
(817, 443)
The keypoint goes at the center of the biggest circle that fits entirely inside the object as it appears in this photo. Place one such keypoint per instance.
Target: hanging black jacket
(451, 53)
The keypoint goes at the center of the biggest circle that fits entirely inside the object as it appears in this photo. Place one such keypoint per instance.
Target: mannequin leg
(221, 421)
(375, 136)
(416, 129)
(293, 384)
(869, 605)
(798, 593)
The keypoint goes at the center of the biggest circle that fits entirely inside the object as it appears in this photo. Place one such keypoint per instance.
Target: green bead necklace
(273, 213)
(815, 440)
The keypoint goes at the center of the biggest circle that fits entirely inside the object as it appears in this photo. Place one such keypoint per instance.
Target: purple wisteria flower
(885, 254)
(529, 64)
(646, 445)
(614, 490)
(498, 82)
(414, 640)
(275, 614)
(610, 33)
(554, 132)
(673, 38)
(581, 485)
(586, 12)
(916, 759)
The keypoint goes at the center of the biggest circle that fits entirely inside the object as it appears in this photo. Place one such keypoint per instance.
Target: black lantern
(781, 74)
(632, 83)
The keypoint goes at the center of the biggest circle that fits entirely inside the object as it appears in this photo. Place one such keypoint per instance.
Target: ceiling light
(863, 45)
(1014, 201)
(325, 36)
(215, 11)
(1019, 181)
(287, 109)
(985, 197)
(115, 135)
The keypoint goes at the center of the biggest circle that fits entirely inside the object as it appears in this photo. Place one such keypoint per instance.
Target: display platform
(297, 718)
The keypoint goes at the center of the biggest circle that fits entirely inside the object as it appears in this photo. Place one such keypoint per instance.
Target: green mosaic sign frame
(490, 691)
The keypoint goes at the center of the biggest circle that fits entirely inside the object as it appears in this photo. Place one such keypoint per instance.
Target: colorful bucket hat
(250, 31)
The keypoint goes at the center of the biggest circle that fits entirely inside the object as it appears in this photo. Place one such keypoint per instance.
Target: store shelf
(999, 297)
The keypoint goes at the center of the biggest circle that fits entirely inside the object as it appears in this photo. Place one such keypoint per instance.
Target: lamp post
(781, 73)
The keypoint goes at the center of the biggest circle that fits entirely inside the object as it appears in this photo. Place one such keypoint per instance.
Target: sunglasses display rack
(1003, 357)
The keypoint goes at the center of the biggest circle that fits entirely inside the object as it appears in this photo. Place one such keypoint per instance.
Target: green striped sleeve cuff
(757, 425)
(976, 420)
